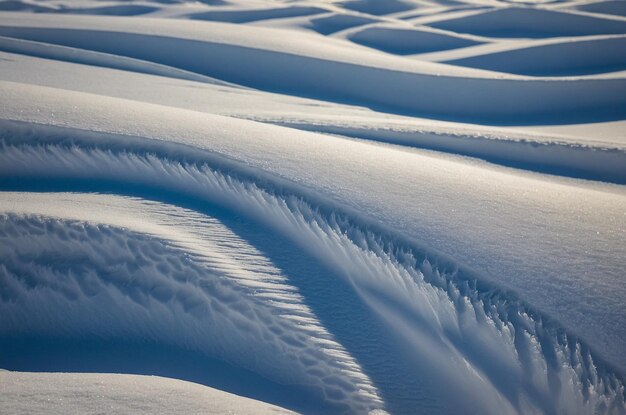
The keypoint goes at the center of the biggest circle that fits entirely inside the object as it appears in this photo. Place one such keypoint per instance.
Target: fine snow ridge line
(447, 315)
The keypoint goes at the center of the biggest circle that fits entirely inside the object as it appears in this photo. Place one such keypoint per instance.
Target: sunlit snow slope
(360, 206)
(80, 393)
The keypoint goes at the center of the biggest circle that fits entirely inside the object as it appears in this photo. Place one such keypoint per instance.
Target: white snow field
(319, 207)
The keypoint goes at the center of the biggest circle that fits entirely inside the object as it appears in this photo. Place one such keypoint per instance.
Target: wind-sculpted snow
(450, 328)
(335, 207)
(208, 293)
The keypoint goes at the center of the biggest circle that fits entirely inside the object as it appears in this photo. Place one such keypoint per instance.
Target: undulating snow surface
(364, 206)
(80, 393)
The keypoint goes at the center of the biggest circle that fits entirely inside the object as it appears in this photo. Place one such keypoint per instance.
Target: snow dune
(409, 87)
(370, 206)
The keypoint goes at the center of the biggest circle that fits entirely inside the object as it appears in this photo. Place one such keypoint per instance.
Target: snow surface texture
(333, 207)
(74, 393)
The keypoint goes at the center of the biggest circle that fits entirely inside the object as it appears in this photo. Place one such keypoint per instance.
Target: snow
(332, 207)
(569, 58)
(74, 393)
(514, 22)
(408, 42)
